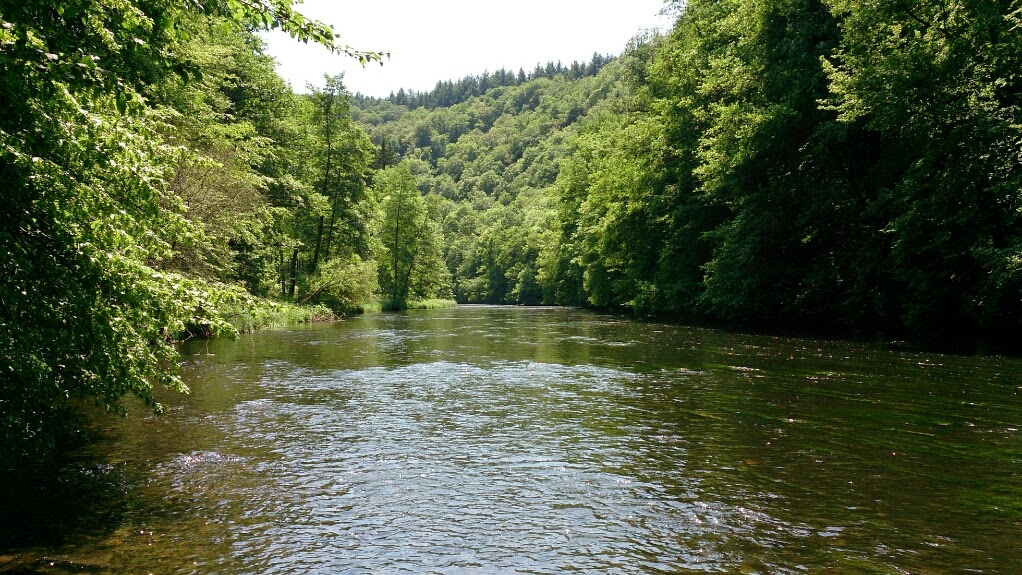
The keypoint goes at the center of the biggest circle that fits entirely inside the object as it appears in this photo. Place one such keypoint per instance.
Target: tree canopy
(102, 168)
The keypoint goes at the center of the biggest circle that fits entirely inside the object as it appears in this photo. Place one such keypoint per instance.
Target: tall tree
(345, 161)
(86, 213)
(411, 263)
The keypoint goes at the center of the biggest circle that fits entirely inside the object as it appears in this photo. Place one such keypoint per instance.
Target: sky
(436, 40)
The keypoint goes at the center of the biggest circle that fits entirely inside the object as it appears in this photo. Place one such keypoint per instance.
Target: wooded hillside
(798, 161)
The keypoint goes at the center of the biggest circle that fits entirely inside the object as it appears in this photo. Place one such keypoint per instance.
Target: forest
(830, 163)
(784, 162)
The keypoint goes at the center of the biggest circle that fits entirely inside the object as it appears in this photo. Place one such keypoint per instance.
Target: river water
(517, 440)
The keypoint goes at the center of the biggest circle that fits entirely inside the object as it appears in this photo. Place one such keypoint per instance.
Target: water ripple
(522, 466)
(506, 440)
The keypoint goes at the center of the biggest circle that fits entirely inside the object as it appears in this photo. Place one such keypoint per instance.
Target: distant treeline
(448, 93)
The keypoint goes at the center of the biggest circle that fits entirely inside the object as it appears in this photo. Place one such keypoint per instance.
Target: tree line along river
(537, 440)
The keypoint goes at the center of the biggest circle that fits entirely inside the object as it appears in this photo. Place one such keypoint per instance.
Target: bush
(344, 285)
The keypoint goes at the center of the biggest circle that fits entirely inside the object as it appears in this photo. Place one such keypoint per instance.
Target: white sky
(434, 40)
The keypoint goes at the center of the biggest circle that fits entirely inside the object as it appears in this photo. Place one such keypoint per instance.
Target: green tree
(937, 83)
(346, 159)
(86, 217)
(223, 122)
(345, 285)
(769, 159)
(411, 261)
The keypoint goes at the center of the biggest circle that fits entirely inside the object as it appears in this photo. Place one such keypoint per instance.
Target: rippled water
(510, 440)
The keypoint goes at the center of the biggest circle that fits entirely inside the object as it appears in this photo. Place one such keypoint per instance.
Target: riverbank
(243, 312)
(269, 314)
(229, 310)
(386, 305)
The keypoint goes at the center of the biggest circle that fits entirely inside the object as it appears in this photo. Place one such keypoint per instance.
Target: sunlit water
(510, 440)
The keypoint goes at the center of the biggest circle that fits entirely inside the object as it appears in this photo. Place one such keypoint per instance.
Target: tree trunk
(395, 290)
(330, 229)
(294, 273)
(411, 264)
(328, 136)
(282, 273)
(315, 253)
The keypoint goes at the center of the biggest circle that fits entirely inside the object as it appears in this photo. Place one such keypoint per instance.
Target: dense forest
(811, 162)
(823, 162)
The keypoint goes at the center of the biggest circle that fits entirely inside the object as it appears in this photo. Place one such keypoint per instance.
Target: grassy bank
(432, 304)
(227, 310)
(387, 305)
(266, 314)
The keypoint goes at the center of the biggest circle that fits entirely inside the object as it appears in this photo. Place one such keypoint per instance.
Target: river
(520, 440)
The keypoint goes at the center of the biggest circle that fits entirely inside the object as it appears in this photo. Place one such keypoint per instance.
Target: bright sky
(434, 40)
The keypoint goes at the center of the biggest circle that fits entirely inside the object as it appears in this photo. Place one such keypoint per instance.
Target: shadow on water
(87, 506)
(62, 503)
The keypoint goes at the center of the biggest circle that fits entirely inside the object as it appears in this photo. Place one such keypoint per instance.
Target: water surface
(513, 440)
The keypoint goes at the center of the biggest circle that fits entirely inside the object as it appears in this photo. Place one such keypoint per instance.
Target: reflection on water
(509, 440)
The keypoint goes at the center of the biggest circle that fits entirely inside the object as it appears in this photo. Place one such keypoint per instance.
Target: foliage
(344, 164)
(800, 160)
(796, 161)
(411, 264)
(434, 303)
(450, 93)
(344, 286)
(89, 142)
(488, 165)
(938, 83)
(221, 123)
